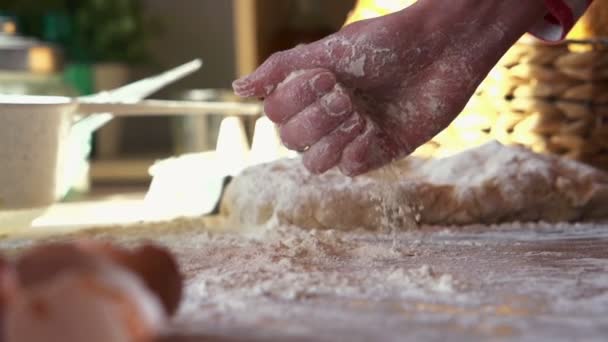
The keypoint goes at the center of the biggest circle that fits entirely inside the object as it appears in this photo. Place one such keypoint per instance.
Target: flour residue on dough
(488, 184)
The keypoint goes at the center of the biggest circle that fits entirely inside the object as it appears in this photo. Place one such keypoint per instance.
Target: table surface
(529, 282)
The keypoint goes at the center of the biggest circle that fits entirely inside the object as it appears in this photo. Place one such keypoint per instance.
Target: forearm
(487, 28)
(460, 43)
(494, 26)
(474, 17)
(549, 20)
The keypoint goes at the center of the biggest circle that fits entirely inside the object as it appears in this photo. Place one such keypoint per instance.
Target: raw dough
(488, 184)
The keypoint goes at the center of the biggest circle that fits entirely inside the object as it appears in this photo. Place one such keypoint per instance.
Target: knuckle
(288, 138)
(278, 57)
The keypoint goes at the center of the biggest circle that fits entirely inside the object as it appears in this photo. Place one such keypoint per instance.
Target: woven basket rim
(592, 41)
(603, 42)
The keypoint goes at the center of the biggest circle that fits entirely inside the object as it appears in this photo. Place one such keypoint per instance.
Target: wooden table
(515, 282)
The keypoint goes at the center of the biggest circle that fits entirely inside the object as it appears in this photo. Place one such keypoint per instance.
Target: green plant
(30, 13)
(100, 30)
(111, 30)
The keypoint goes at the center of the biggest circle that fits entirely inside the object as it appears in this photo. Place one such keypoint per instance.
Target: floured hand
(380, 88)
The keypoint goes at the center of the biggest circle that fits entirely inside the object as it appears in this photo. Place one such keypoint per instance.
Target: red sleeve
(560, 18)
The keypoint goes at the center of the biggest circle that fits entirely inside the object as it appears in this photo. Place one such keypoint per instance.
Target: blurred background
(534, 97)
(79, 47)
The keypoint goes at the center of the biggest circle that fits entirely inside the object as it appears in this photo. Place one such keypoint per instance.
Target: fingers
(370, 150)
(317, 120)
(275, 69)
(357, 146)
(298, 92)
(327, 152)
(330, 130)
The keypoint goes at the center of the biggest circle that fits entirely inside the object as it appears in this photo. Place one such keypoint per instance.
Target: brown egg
(109, 304)
(8, 288)
(45, 262)
(155, 265)
(89, 291)
(8, 281)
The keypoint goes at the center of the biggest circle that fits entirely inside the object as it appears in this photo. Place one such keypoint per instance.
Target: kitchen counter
(519, 282)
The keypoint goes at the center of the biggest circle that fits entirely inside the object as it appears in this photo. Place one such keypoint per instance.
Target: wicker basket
(551, 98)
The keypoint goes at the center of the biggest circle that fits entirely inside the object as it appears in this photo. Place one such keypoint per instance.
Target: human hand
(379, 88)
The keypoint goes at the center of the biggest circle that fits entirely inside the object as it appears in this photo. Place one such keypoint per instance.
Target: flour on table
(489, 184)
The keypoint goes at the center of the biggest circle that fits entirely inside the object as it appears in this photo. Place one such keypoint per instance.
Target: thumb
(276, 69)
